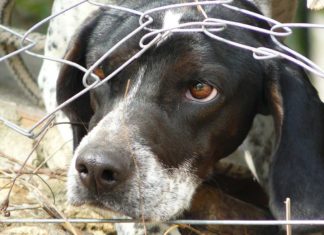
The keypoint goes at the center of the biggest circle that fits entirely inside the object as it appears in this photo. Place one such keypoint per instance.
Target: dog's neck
(257, 149)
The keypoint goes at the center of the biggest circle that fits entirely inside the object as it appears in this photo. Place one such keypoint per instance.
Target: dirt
(40, 189)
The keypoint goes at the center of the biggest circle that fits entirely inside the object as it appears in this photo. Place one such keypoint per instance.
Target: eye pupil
(199, 86)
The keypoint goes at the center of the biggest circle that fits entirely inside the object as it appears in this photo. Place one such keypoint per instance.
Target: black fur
(177, 129)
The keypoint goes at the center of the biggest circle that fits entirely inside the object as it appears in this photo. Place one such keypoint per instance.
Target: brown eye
(201, 92)
(99, 72)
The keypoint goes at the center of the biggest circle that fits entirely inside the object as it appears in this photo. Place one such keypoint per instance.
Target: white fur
(171, 19)
(153, 191)
(259, 146)
(62, 29)
(139, 229)
(249, 161)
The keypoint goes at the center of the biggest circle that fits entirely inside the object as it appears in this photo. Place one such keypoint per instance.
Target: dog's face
(153, 132)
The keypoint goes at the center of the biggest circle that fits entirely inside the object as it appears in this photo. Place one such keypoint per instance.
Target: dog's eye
(99, 72)
(201, 92)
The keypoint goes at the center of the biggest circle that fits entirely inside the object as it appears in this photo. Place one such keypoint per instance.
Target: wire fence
(145, 20)
(209, 27)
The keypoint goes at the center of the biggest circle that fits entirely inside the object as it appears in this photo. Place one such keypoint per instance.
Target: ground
(40, 192)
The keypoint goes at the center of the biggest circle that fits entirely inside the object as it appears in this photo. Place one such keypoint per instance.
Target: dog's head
(150, 135)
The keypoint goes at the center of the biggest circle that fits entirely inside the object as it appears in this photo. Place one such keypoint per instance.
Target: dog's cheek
(167, 191)
(157, 191)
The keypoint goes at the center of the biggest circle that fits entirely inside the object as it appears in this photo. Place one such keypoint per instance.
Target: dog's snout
(100, 171)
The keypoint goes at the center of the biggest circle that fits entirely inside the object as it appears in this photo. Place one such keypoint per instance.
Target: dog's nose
(100, 171)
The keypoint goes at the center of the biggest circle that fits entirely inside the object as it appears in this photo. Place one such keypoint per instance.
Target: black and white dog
(143, 149)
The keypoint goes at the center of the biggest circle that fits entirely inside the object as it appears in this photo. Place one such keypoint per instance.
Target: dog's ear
(297, 169)
(69, 82)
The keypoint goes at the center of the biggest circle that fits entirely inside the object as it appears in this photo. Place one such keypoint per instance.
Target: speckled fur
(60, 31)
(163, 199)
(150, 171)
(259, 144)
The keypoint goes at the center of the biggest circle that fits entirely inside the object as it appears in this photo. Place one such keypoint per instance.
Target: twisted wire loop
(209, 26)
(7, 37)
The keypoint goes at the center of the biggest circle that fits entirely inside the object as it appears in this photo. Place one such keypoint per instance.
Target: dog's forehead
(108, 31)
(181, 54)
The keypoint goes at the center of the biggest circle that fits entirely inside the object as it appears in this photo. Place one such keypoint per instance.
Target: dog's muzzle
(113, 169)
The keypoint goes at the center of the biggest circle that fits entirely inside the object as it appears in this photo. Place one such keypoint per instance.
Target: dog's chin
(136, 214)
(152, 211)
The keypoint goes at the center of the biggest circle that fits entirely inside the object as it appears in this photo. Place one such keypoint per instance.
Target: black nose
(100, 171)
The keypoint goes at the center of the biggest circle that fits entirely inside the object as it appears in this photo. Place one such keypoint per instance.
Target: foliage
(28, 12)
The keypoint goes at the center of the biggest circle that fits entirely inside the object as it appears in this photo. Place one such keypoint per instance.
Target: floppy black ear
(69, 82)
(297, 169)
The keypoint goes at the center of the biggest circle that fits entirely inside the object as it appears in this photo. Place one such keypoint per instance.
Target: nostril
(109, 176)
(82, 169)
(100, 171)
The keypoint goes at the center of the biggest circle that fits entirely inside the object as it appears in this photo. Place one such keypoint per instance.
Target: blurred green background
(28, 12)
(308, 42)
(33, 9)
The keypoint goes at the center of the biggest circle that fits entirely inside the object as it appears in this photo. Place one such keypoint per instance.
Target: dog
(151, 135)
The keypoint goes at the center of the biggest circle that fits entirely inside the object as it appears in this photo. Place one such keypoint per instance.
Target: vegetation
(28, 12)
